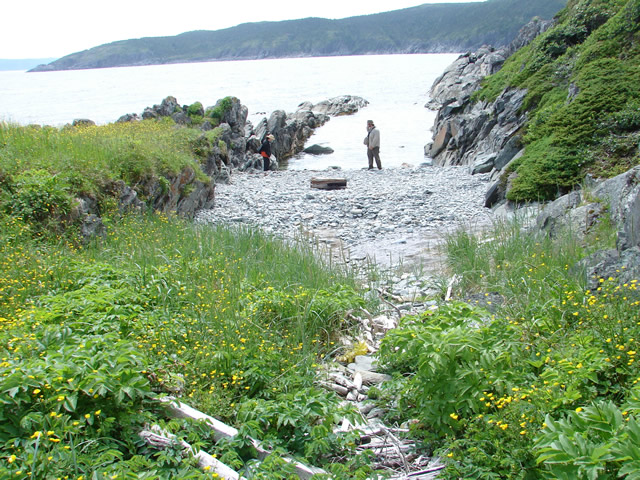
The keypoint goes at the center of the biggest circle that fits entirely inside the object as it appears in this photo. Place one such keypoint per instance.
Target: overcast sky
(53, 29)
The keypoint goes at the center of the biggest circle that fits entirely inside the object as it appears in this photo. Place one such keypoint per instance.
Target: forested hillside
(428, 28)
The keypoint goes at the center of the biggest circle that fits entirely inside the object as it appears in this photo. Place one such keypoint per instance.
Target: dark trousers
(266, 163)
(374, 153)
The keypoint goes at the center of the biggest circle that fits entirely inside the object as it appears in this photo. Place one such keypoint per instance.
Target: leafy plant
(452, 355)
(594, 442)
(301, 422)
(37, 196)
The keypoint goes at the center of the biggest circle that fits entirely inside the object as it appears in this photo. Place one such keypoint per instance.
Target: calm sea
(396, 86)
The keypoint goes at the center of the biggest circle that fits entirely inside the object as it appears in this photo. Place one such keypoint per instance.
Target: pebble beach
(388, 217)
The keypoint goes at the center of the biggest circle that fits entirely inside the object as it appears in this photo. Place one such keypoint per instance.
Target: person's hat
(270, 137)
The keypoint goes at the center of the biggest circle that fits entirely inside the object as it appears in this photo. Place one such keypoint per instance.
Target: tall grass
(519, 383)
(88, 156)
(92, 335)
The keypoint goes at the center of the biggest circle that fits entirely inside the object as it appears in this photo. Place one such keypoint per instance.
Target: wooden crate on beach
(329, 183)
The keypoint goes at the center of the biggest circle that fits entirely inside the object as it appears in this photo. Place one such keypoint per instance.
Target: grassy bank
(583, 98)
(534, 377)
(92, 335)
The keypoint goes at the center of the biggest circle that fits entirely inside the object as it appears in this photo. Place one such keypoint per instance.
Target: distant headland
(428, 28)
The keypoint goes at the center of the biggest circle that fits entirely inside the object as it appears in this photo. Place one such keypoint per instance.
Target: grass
(93, 334)
(519, 382)
(88, 157)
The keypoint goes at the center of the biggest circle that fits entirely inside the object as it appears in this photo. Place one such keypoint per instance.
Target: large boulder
(236, 116)
(182, 193)
(479, 130)
(337, 106)
(291, 131)
(454, 87)
(318, 150)
(622, 193)
(167, 107)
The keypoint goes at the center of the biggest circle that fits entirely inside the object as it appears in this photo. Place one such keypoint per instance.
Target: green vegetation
(216, 114)
(537, 378)
(426, 28)
(594, 52)
(533, 376)
(84, 160)
(231, 321)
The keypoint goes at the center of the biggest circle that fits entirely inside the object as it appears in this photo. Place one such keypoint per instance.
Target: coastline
(392, 217)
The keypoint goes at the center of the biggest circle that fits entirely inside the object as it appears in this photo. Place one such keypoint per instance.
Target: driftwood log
(160, 440)
(329, 183)
(220, 430)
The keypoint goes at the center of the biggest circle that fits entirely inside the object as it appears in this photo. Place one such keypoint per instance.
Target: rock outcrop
(292, 130)
(234, 142)
(617, 200)
(337, 106)
(227, 141)
(483, 135)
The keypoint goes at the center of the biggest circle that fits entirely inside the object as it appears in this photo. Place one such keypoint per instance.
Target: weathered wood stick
(452, 282)
(339, 389)
(161, 440)
(222, 430)
(180, 410)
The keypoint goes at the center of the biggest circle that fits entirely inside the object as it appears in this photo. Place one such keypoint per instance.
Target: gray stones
(580, 212)
(318, 150)
(380, 216)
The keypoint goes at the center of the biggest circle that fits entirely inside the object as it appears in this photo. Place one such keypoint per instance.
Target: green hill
(583, 101)
(428, 28)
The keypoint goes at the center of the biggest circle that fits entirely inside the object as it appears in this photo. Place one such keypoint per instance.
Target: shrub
(37, 195)
(217, 113)
(195, 110)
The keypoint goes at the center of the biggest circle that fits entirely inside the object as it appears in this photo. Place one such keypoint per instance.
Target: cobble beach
(388, 217)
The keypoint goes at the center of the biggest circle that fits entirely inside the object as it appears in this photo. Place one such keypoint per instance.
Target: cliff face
(561, 102)
(560, 106)
(486, 135)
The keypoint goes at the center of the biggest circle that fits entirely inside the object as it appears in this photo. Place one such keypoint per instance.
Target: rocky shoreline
(390, 217)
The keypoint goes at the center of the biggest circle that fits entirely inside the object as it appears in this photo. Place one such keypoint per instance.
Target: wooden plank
(329, 183)
(181, 410)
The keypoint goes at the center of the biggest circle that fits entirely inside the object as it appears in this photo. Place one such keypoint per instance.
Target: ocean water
(397, 87)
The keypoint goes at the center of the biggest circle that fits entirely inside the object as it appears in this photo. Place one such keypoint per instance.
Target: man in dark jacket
(265, 150)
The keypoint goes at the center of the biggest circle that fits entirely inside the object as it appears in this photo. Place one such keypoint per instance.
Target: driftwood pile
(393, 453)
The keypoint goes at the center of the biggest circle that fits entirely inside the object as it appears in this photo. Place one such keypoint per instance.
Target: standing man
(372, 141)
(265, 150)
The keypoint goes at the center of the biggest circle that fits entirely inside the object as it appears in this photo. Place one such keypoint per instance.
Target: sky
(53, 29)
